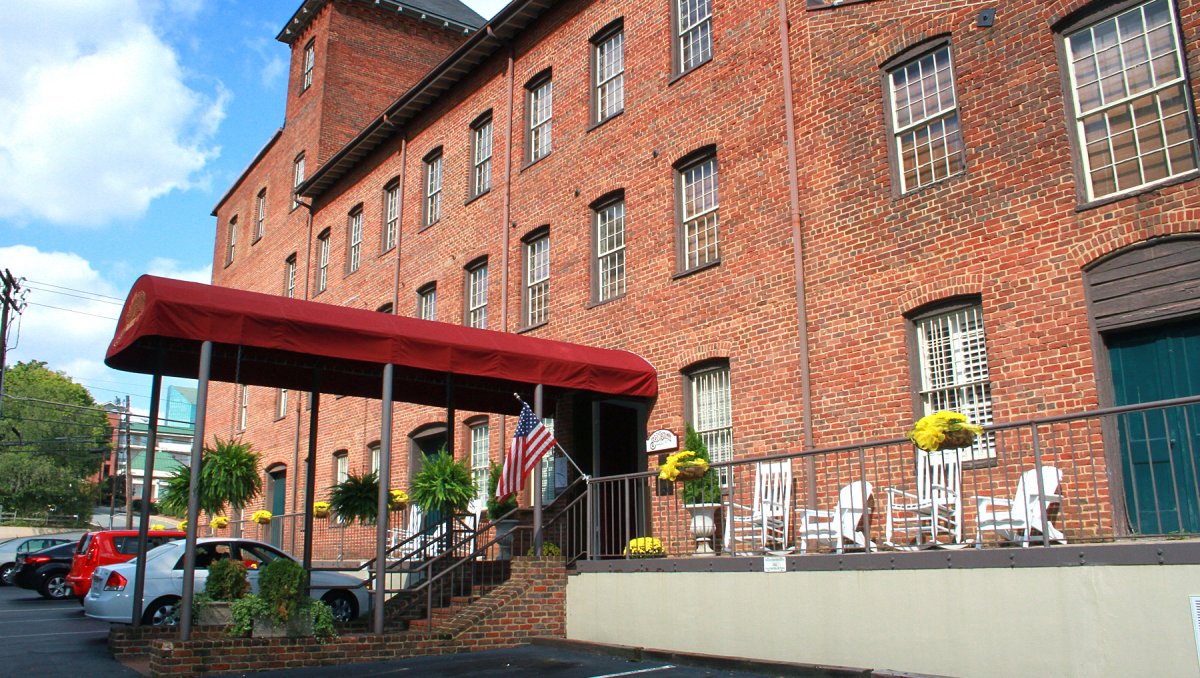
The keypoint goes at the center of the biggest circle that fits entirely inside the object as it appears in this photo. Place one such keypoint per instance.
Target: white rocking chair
(936, 506)
(763, 526)
(1021, 517)
(845, 524)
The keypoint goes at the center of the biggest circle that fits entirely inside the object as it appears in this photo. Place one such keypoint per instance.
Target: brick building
(816, 220)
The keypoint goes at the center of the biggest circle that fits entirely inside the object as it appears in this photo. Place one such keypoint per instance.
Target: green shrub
(283, 585)
(549, 548)
(495, 508)
(227, 580)
(707, 489)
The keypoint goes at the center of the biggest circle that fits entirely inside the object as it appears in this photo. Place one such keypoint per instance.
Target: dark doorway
(277, 500)
(427, 440)
(618, 448)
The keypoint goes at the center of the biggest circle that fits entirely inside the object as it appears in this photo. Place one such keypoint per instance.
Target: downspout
(399, 222)
(507, 211)
(789, 108)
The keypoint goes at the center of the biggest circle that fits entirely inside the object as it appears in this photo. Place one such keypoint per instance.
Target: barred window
(1130, 100)
(608, 57)
(310, 60)
(391, 215)
(954, 369)
(541, 118)
(712, 412)
(427, 302)
(699, 201)
(477, 278)
(481, 156)
(926, 133)
(610, 251)
(260, 215)
(537, 278)
(693, 30)
(322, 261)
(354, 241)
(480, 459)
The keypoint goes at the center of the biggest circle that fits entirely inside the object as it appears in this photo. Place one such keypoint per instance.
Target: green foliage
(54, 438)
(200, 602)
(356, 498)
(443, 485)
(497, 509)
(548, 549)
(282, 585)
(228, 476)
(173, 496)
(227, 580)
(244, 611)
(707, 489)
(322, 620)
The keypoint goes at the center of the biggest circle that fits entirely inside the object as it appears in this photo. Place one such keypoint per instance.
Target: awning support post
(381, 524)
(139, 582)
(310, 471)
(189, 551)
(537, 481)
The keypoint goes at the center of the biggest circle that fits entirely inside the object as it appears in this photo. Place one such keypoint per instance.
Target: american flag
(530, 442)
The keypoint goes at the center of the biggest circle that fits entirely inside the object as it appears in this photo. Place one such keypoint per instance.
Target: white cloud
(96, 119)
(170, 268)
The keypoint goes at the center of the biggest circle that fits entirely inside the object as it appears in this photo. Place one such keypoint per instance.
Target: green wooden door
(1159, 448)
(277, 491)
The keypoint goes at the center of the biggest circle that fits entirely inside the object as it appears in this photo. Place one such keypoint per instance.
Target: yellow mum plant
(683, 465)
(156, 526)
(645, 547)
(943, 430)
(397, 500)
(261, 517)
(182, 527)
(321, 509)
(219, 522)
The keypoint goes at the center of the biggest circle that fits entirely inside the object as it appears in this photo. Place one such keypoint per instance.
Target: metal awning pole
(381, 525)
(537, 482)
(189, 551)
(310, 471)
(139, 579)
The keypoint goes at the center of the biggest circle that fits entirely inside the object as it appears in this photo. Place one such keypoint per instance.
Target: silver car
(11, 548)
(111, 595)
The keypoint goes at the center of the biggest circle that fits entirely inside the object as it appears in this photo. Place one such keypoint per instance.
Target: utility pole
(9, 302)
(128, 471)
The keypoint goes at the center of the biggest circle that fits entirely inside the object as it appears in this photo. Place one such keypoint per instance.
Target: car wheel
(55, 587)
(6, 574)
(344, 607)
(162, 612)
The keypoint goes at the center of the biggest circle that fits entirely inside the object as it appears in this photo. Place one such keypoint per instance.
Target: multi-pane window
(693, 26)
(354, 238)
(479, 458)
(341, 466)
(289, 277)
(477, 278)
(231, 240)
(391, 215)
(427, 302)
(373, 455)
(954, 369)
(243, 407)
(433, 187)
(297, 179)
(541, 117)
(608, 57)
(553, 469)
(260, 214)
(281, 403)
(323, 261)
(712, 413)
(698, 201)
(310, 59)
(1130, 100)
(610, 251)
(481, 156)
(926, 133)
(537, 279)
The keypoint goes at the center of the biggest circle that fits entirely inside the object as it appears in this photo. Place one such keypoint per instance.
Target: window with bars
(481, 155)
(927, 138)
(539, 99)
(281, 403)
(480, 457)
(427, 302)
(391, 215)
(310, 60)
(477, 279)
(953, 369)
(354, 236)
(711, 411)
(341, 466)
(289, 277)
(243, 407)
(260, 215)
(609, 272)
(698, 203)
(433, 187)
(693, 33)
(1130, 100)
(297, 178)
(537, 277)
(608, 68)
(322, 261)
(231, 240)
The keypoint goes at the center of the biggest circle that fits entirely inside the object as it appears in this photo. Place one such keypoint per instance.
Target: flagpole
(537, 482)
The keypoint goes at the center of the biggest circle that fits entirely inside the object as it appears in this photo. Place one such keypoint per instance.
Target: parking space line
(631, 673)
(26, 620)
(46, 635)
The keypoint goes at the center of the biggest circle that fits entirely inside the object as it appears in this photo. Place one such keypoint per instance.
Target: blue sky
(122, 122)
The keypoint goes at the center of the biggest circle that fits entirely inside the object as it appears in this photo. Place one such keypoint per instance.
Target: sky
(122, 123)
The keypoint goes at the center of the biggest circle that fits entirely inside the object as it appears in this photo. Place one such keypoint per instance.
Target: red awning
(267, 340)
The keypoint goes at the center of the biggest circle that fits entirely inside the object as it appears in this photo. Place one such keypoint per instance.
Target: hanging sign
(661, 440)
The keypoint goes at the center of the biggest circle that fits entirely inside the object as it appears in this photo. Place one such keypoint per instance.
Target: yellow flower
(182, 527)
(320, 509)
(645, 546)
(930, 431)
(397, 499)
(219, 522)
(157, 527)
(678, 461)
(261, 517)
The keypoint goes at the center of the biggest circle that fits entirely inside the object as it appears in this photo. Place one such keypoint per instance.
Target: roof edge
(309, 9)
(246, 172)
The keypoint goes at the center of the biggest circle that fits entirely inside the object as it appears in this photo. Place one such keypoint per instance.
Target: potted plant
(227, 582)
(442, 488)
(281, 607)
(645, 547)
(500, 512)
(702, 495)
(943, 430)
(228, 477)
(219, 523)
(321, 509)
(356, 498)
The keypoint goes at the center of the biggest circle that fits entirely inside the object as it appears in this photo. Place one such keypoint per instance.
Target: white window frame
(391, 215)
(541, 119)
(553, 469)
(693, 34)
(477, 298)
(374, 454)
(297, 178)
(608, 84)
(711, 412)
(953, 370)
(610, 250)
(433, 188)
(260, 216)
(289, 277)
(537, 279)
(354, 241)
(341, 466)
(281, 403)
(231, 240)
(481, 157)
(310, 60)
(427, 302)
(928, 144)
(323, 262)
(244, 407)
(699, 202)
(480, 457)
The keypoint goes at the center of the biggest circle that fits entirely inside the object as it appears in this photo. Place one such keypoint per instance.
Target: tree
(53, 438)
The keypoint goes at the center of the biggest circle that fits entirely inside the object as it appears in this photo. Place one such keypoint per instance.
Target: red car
(106, 548)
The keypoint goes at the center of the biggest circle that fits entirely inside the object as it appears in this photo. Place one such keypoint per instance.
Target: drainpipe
(507, 212)
(789, 108)
(399, 222)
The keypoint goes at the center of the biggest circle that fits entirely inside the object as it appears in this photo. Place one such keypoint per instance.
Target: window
(927, 139)
(553, 469)
(322, 261)
(243, 407)
(609, 273)
(433, 187)
(479, 458)
(354, 241)
(289, 277)
(693, 31)
(391, 215)
(373, 455)
(711, 411)
(231, 240)
(953, 369)
(281, 403)
(310, 58)
(297, 179)
(698, 202)
(537, 277)
(539, 102)
(608, 67)
(481, 155)
(385, 308)
(477, 278)
(427, 302)
(1130, 100)
(260, 215)
(341, 466)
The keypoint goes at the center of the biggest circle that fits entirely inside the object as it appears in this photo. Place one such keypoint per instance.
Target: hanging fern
(228, 476)
(443, 485)
(356, 498)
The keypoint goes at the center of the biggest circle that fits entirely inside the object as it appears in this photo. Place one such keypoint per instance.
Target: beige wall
(1052, 621)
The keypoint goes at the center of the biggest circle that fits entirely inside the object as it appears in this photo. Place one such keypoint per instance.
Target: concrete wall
(1052, 621)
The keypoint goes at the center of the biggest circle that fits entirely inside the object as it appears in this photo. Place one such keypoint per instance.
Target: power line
(71, 310)
(118, 300)
(77, 296)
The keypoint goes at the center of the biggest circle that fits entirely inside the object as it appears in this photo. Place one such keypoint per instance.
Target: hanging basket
(320, 510)
(691, 473)
(958, 439)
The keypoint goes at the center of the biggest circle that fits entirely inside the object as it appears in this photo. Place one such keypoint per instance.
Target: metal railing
(885, 495)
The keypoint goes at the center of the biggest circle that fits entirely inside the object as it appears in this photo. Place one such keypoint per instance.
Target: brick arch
(1057, 10)
(1176, 222)
(930, 291)
(708, 350)
(914, 33)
